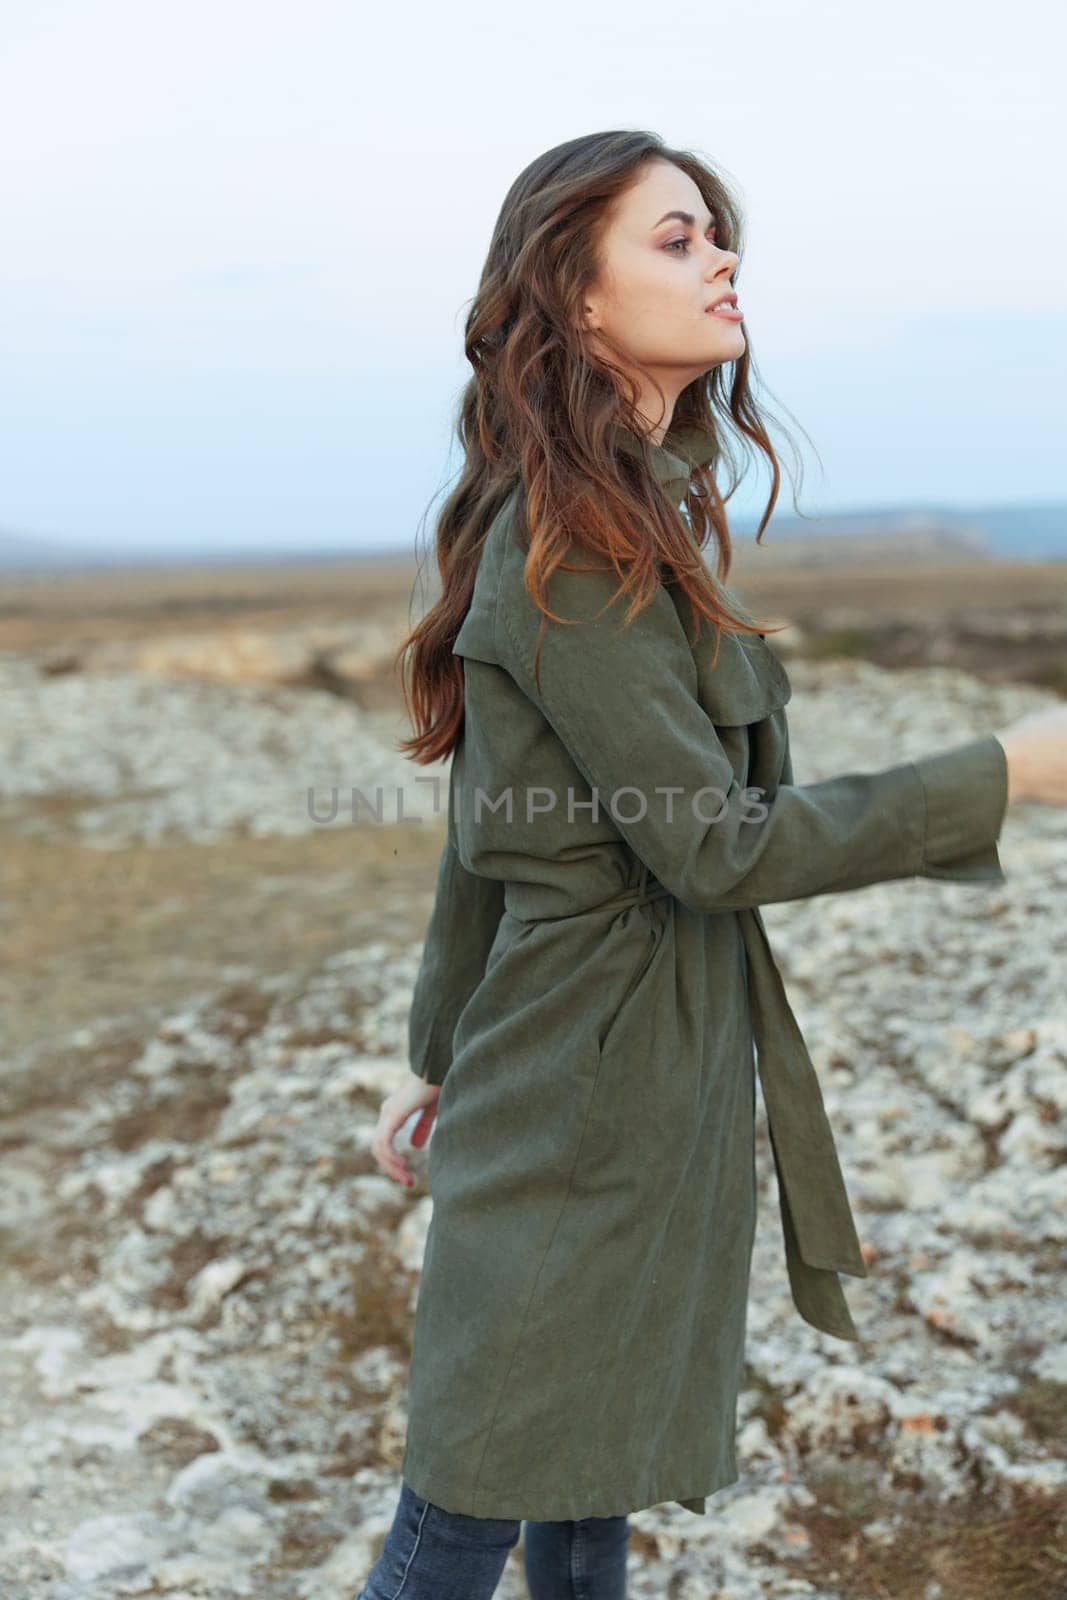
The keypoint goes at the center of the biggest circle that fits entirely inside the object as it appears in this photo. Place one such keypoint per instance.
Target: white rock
(214, 1281)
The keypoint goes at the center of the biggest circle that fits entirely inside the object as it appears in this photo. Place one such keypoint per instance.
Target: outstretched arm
(623, 700)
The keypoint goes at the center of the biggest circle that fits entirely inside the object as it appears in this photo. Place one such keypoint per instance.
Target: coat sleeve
(624, 701)
(463, 924)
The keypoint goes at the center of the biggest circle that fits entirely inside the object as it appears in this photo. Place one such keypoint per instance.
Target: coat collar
(684, 447)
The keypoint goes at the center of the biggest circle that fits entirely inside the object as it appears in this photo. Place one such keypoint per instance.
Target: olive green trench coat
(596, 996)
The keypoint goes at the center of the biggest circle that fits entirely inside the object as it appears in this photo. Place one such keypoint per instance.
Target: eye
(673, 244)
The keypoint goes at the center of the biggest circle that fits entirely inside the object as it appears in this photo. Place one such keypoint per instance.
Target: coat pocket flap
(477, 635)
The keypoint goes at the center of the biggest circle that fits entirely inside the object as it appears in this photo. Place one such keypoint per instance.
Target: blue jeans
(430, 1554)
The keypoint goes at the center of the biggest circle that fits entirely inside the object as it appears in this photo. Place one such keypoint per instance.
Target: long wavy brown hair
(541, 410)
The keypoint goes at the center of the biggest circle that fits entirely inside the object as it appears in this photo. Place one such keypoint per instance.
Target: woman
(597, 990)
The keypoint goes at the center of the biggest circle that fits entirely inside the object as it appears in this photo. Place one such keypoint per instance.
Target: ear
(589, 316)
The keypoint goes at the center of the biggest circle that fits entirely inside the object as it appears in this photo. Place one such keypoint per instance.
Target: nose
(723, 263)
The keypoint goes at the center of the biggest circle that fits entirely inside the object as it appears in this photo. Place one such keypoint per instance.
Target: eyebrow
(683, 216)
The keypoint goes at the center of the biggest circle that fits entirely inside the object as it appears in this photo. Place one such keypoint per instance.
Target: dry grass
(972, 1550)
(1042, 1405)
(129, 932)
(901, 590)
(908, 615)
(68, 610)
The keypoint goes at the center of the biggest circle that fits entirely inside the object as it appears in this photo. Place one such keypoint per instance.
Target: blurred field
(1004, 621)
(95, 933)
(1001, 618)
(90, 933)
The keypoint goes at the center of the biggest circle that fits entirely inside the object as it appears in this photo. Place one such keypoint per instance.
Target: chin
(733, 348)
(728, 347)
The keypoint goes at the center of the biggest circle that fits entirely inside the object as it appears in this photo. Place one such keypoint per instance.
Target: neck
(655, 436)
(657, 431)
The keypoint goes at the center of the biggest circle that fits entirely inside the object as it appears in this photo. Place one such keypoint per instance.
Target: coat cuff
(965, 791)
(431, 1059)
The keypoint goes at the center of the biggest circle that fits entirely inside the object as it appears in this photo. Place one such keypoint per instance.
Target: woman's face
(660, 274)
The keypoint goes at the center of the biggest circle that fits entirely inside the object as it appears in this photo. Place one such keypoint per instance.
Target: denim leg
(430, 1554)
(582, 1560)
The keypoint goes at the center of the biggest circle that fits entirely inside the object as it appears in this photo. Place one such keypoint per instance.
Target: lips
(729, 299)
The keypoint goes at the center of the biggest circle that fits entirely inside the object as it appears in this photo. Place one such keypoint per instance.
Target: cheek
(655, 307)
(660, 295)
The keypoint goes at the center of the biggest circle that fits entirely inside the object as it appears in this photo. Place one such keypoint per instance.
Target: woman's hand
(395, 1110)
(1036, 748)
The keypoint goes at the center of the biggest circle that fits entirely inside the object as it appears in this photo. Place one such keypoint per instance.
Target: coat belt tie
(817, 1224)
(820, 1235)
(638, 894)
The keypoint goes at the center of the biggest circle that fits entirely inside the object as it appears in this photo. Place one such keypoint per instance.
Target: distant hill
(937, 533)
(1013, 533)
(19, 553)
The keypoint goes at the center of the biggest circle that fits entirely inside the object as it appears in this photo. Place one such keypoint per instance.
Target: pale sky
(239, 240)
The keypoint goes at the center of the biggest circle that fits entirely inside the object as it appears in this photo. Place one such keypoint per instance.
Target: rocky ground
(207, 1285)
